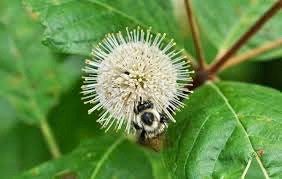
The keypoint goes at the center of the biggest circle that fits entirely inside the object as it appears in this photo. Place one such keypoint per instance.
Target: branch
(245, 37)
(251, 53)
(49, 138)
(195, 34)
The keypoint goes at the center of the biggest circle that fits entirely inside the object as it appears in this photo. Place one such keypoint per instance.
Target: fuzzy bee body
(150, 123)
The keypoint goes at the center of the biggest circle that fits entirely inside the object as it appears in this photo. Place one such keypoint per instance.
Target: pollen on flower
(128, 68)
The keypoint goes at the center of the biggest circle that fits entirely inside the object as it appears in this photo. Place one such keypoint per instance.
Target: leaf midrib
(105, 156)
(117, 11)
(108, 8)
(220, 93)
(194, 142)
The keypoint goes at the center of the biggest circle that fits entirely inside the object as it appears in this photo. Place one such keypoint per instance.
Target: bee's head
(149, 120)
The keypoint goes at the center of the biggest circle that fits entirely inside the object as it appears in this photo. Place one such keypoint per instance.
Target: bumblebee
(150, 123)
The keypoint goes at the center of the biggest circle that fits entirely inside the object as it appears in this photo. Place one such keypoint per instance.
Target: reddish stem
(195, 34)
(245, 37)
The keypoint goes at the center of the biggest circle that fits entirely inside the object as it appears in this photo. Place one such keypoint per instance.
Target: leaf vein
(103, 5)
(105, 156)
(220, 93)
(194, 142)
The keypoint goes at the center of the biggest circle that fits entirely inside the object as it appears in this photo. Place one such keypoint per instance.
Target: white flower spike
(129, 70)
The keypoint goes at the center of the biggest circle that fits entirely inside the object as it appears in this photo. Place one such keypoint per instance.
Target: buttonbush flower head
(128, 68)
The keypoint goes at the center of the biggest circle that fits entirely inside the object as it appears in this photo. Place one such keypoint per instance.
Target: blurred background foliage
(34, 78)
(264, 70)
(30, 72)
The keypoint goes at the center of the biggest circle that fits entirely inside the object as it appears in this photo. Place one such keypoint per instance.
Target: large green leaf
(31, 80)
(104, 157)
(70, 114)
(224, 22)
(225, 127)
(17, 141)
(31, 77)
(75, 26)
(22, 147)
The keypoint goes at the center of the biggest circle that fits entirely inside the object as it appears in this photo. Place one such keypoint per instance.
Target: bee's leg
(163, 118)
(135, 111)
(136, 126)
(142, 136)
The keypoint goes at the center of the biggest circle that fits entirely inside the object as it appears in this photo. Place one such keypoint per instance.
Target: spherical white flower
(125, 70)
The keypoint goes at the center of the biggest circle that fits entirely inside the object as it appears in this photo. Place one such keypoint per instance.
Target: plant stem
(252, 53)
(49, 138)
(245, 37)
(195, 34)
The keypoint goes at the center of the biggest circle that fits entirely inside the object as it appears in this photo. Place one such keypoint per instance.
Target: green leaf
(7, 117)
(224, 22)
(255, 171)
(17, 141)
(70, 114)
(104, 157)
(75, 26)
(31, 77)
(224, 128)
(22, 147)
